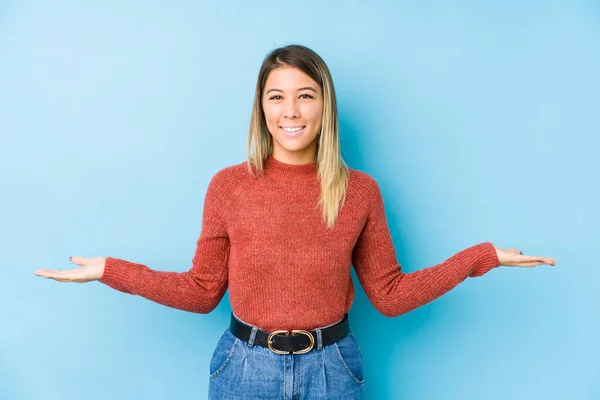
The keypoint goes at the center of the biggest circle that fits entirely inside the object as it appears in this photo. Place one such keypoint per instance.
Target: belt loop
(252, 336)
(319, 339)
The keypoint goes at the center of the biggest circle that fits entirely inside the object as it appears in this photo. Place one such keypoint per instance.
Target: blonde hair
(333, 173)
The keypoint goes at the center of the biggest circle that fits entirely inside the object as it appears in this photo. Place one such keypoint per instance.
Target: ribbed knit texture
(264, 239)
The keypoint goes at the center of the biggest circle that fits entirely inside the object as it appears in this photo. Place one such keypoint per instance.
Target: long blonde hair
(333, 173)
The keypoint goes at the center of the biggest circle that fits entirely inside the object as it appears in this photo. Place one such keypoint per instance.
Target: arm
(198, 290)
(394, 292)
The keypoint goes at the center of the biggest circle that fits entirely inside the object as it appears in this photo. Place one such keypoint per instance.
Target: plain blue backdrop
(479, 120)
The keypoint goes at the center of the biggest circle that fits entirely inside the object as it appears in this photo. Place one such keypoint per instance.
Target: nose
(291, 109)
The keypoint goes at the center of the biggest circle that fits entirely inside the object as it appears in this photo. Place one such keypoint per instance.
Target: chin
(295, 144)
(294, 149)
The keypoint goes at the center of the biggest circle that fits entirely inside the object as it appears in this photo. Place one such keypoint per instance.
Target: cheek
(314, 114)
(271, 115)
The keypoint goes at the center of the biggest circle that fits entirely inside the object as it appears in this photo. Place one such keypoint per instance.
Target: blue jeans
(242, 370)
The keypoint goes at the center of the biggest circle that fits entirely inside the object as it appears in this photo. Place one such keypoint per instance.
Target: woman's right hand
(91, 270)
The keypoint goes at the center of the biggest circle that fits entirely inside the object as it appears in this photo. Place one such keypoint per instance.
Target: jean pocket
(350, 356)
(223, 353)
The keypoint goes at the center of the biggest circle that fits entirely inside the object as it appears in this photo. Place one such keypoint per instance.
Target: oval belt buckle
(310, 337)
(303, 332)
(270, 342)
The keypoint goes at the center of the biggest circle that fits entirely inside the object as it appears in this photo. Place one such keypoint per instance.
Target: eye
(308, 96)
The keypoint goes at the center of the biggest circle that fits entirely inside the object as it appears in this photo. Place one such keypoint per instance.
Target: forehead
(289, 78)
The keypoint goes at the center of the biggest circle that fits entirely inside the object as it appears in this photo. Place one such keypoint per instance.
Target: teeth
(292, 130)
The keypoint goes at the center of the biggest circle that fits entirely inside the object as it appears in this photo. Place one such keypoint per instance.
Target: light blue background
(479, 120)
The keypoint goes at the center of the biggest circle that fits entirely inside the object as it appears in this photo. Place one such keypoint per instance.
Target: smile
(293, 131)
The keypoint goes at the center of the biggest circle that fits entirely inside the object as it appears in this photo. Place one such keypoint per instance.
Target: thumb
(78, 260)
(514, 251)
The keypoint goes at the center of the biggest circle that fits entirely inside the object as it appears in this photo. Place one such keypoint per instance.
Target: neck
(304, 156)
(302, 172)
(294, 160)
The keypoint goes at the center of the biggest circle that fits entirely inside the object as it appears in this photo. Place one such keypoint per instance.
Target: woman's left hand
(515, 258)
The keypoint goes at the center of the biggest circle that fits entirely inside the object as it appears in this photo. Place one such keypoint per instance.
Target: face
(293, 106)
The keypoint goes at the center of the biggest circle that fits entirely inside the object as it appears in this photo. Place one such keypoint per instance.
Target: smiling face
(293, 106)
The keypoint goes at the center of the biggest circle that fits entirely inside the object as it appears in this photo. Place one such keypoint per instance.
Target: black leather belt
(298, 342)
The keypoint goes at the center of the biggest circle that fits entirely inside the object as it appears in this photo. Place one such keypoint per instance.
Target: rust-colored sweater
(264, 239)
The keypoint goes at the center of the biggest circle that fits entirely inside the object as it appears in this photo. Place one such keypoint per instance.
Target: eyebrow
(302, 88)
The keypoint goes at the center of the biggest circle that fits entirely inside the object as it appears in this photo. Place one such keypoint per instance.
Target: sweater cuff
(120, 274)
(488, 260)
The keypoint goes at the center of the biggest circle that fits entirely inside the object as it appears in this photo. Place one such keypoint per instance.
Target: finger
(48, 273)
(542, 260)
(78, 260)
(527, 264)
(510, 251)
(514, 251)
(70, 275)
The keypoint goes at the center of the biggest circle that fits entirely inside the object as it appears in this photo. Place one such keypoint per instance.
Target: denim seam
(284, 374)
(218, 371)
(354, 378)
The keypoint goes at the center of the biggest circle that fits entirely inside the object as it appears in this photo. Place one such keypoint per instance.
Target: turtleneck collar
(290, 172)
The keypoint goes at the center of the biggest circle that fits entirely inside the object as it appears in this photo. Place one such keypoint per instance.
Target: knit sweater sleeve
(394, 292)
(202, 287)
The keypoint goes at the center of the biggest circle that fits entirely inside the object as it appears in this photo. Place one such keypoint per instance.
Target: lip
(295, 134)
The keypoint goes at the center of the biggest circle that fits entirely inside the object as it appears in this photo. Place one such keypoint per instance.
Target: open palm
(91, 270)
(515, 258)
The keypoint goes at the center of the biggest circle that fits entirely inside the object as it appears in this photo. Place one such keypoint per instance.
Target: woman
(280, 230)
